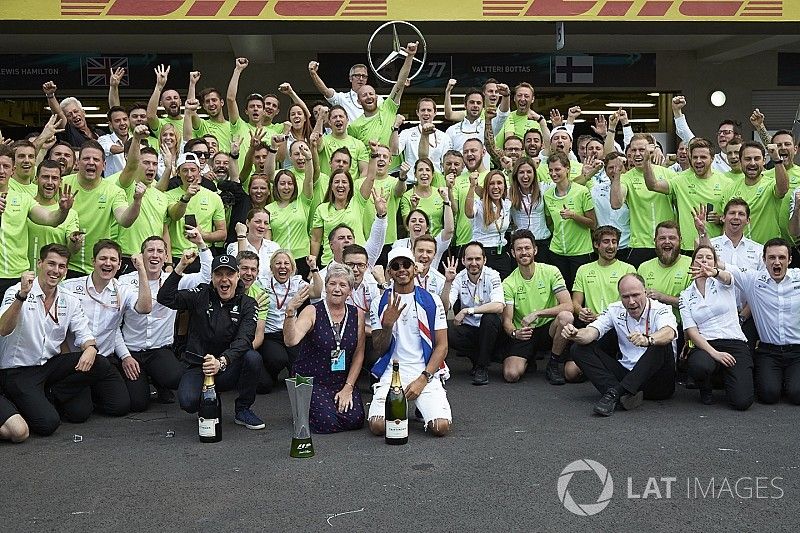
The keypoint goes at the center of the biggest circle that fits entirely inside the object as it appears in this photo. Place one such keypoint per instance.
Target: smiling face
(340, 161)
(51, 270)
(732, 153)
(154, 256)
(786, 148)
(367, 98)
(401, 271)
(496, 187)
(212, 104)
(383, 160)
(513, 149)
(106, 263)
(297, 154)
(523, 97)
(224, 281)
(138, 117)
(259, 190)
(338, 120)
(453, 164)
(257, 225)
(281, 267)
(6, 169)
(523, 251)
(25, 162)
(776, 259)
(705, 256)
(189, 174)
(424, 252)
(533, 143)
(168, 138)
(637, 151)
(48, 182)
(724, 135)
(337, 290)
(668, 245)
(735, 220)
(285, 187)
(297, 117)
(358, 78)
(561, 142)
(65, 157)
(423, 173)
(752, 163)
(119, 124)
(341, 238)
(558, 172)
(340, 187)
(90, 164)
(220, 165)
(525, 175)
(607, 247)
(473, 260)
(417, 225)
(473, 155)
(248, 271)
(171, 102)
(594, 148)
(271, 106)
(701, 161)
(75, 115)
(358, 263)
(426, 110)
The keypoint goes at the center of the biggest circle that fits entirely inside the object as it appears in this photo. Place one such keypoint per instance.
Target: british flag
(97, 70)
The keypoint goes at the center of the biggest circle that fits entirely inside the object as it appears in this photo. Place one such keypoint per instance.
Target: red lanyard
(422, 284)
(278, 301)
(646, 320)
(363, 299)
(114, 284)
(53, 317)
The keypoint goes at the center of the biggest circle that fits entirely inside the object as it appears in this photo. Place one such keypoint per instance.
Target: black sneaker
(706, 397)
(554, 372)
(631, 401)
(607, 404)
(481, 376)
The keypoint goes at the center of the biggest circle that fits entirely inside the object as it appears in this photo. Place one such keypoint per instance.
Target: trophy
(396, 50)
(300, 398)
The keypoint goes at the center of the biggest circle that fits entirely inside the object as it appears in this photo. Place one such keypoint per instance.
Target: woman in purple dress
(331, 338)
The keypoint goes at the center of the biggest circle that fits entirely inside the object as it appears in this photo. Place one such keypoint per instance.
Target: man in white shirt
(473, 125)
(349, 100)
(478, 290)
(409, 325)
(646, 330)
(727, 130)
(774, 298)
(105, 301)
(114, 142)
(35, 319)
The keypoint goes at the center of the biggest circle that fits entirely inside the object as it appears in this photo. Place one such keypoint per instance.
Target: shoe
(607, 404)
(690, 383)
(631, 401)
(418, 416)
(481, 376)
(706, 397)
(554, 372)
(247, 418)
(473, 370)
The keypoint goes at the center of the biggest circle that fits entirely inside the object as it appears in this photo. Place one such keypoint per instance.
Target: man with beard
(137, 178)
(473, 163)
(533, 142)
(478, 291)
(646, 332)
(385, 186)
(99, 205)
(105, 302)
(700, 186)
(473, 124)
(338, 139)
(494, 95)
(524, 118)
(211, 100)
(763, 194)
(349, 101)
(378, 121)
(170, 100)
(773, 297)
(48, 180)
(222, 326)
(24, 168)
(668, 274)
(259, 114)
(71, 117)
(63, 153)
(647, 208)
(727, 131)
(113, 142)
(537, 307)
(784, 166)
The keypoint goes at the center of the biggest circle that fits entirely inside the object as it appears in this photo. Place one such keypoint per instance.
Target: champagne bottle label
(208, 426)
(397, 429)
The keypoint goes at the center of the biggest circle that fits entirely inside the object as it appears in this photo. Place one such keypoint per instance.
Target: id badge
(337, 360)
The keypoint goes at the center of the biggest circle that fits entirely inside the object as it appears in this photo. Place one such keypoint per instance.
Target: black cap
(225, 261)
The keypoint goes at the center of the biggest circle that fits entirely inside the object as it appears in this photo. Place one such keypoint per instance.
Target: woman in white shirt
(255, 236)
(491, 217)
(527, 205)
(711, 322)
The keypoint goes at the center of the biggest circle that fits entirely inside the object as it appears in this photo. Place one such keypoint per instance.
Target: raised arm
(132, 168)
(190, 115)
(781, 176)
(46, 217)
(113, 86)
(372, 169)
(49, 88)
(405, 70)
(449, 114)
(233, 89)
(191, 94)
(313, 71)
(162, 73)
(682, 128)
(286, 88)
(653, 184)
(469, 203)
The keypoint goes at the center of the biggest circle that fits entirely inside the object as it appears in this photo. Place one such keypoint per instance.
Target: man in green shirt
(647, 208)
(170, 100)
(520, 120)
(784, 166)
(339, 138)
(473, 163)
(700, 186)
(211, 100)
(537, 307)
(732, 155)
(24, 167)
(668, 274)
(762, 194)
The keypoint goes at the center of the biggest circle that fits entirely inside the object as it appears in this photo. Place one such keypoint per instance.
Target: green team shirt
(290, 226)
(220, 130)
(569, 237)
(358, 152)
(377, 127)
(463, 222)
(327, 217)
(254, 292)
(206, 206)
(176, 122)
(31, 189)
(575, 169)
(764, 204)
(438, 180)
(670, 280)
(520, 123)
(150, 222)
(433, 206)
(647, 208)
(318, 192)
(14, 234)
(734, 176)
(39, 236)
(535, 294)
(689, 192)
(786, 203)
(599, 283)
(95, 208)
(385, 187)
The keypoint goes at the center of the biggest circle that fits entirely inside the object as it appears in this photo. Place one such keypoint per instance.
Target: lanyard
(278, 301)
(422, 282)
(363, 299)
(337, 331)
(476, 299)
(53, 317)
(646, 320)
(113, 283)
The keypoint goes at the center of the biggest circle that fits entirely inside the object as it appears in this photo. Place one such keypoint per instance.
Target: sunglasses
(203, 155)
(404, 264)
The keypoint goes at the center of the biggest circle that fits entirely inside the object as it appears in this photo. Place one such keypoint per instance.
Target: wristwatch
(514, 334)
(223, 364)
(20, 297)
(427, 375)
(650, 340)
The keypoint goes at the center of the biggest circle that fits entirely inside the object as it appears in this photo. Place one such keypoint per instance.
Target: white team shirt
(714, 315)
(531, 216)
(606, 216)
(616, 317)
(264, 254)
(40, 332)
(747, 254)
(441, 247)
(279, 296)
(114, 162)
(494, 234)
(775, 306)
(439, 143)
(465, 130)
(488, 289)
(153, 330)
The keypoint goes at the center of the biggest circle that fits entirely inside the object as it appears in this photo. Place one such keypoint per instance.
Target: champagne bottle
(396, 410)
(210, 412)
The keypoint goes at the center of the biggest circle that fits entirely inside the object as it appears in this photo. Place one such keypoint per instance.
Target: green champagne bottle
(396, 410)
(210, 412)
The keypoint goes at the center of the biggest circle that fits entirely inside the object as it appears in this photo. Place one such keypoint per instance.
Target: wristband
(373, 155)
(234, 156)
(395, 128)
(241, 236)
(223, 365)
(50, 95)
(271, 150)
(183, 200)
(446, 203)
(381, 216)
(313, 270)
(287, 315)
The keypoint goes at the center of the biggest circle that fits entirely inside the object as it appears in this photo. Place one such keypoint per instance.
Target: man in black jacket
(222, 325)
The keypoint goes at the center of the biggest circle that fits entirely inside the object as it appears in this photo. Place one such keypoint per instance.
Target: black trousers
(777, 369)
(242, 374)
(653, 373)
(109, 394)
(69, 390)
(160, 365)
(7, 410)
(502, 261)
(738, 379)
(275, 354)
(568, 265)
(477, 343)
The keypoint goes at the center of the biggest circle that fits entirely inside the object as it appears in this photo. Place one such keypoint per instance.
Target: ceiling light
(630, 104)
(718, 98)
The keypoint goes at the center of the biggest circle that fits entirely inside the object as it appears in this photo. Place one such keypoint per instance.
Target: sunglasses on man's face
(201, 155)
(401, 264)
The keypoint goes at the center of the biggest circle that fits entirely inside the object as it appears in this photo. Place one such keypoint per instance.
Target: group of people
(341, 239)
